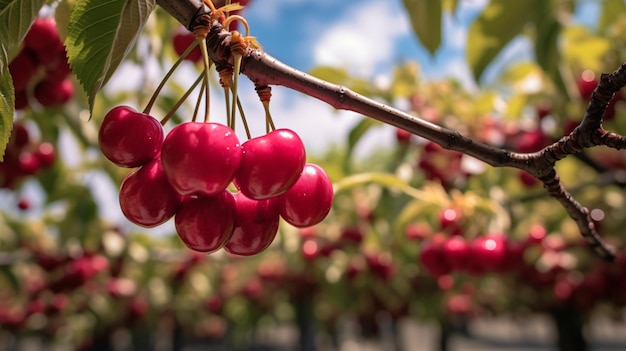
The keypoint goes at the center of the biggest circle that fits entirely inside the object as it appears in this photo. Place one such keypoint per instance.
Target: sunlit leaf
(100, 35)
(495, 27)
(583, 49)
(611, 11)
(355, 135)
(425, 16)
(547, 49)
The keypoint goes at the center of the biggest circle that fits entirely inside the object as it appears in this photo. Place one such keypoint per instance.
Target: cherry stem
(244, 121)
(169, 73)
(229, 116)
(240, 19)
(269, 122)
(181, 100)
(237, 69)
(207, 66)
(199, 100)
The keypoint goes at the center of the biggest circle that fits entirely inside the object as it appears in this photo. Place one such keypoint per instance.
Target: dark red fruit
(488, 253)
(181, 41)
(53, 93)
(270, 164)
(42, 35)
(432, 257)
(309, 200)
(129, 138)
(22, 68)
(586, 83)
(256, 225)
(201, 158)
(146, 197)
(45, 154)
(205, 223)
(456, 252)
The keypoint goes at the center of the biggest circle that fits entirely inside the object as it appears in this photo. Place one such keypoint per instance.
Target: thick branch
(265, 70)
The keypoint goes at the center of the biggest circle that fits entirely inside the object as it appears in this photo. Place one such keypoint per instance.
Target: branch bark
(265, 70)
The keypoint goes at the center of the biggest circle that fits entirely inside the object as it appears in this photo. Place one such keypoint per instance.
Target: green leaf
(547, 52)
(355, 135)
(100, 35)
(425, 16)
(612, 10)
(16, 16)
(495, 27)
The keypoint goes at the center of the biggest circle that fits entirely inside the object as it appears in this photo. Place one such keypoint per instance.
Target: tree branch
(265, 70)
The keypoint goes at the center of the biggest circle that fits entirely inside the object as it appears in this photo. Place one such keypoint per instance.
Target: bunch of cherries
(189, 175)
(24, 157)
(40, 70)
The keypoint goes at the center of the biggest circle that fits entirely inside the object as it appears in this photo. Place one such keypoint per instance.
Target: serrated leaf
(16, 16)
(495, 27)
(547, 53)
(426, 16)
(100, 35)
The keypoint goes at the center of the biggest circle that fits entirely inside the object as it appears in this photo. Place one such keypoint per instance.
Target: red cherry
(53, 93)
(42, 35)
(403, 137)
(270, 164)
(451, 220)
(146, 197)
(22, 68)
(201, 158)
(586, 83)
(456, 252)
(256, 225)
(532, 141)
(129, 138)
(45, 154)
(309, 200)
(488, 252)
(181, 41)
(205, 223)
(432, 258)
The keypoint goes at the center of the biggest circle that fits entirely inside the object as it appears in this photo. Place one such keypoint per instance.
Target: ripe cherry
(256, 225)
(201, 158)
(42, 35)
(456, 252)
(309, 200)
(22, 68)
(146, 197)
(53, 93)
(205, 223)
(270, 164)
(432, 257)
(129, 138)
(488, 253)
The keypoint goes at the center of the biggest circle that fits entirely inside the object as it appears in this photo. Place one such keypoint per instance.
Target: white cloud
(363, 39)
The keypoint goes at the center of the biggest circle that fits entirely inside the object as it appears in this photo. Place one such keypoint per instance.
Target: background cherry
(270, 164)
(129, 138)
(256, 225)
(201, 158)
(309, 200)
(205, 223)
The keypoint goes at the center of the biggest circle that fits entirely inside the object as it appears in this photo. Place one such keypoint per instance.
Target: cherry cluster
(188, 175)
(40, 69)
(24, 157)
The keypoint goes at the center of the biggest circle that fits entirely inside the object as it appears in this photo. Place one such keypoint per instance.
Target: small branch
(263, 69)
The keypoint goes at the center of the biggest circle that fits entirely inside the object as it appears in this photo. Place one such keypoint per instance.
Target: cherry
(403, 137)
(270, 164)
(129, 138)
(181, 41)
(432, 257)
(456, 252)
(42, 35)
(45, 154)
(146, 197)
(586, 83)
(205, 223)
(256, 225)
(451, 220)
(488, 252)
(22, 68)
(201, 158)
(309, 200)
(54, 92)
(532, 141)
